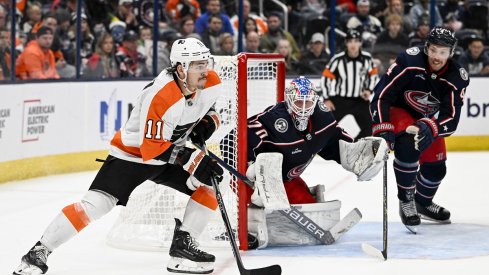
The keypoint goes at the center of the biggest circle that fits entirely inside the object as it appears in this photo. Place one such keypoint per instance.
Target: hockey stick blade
(269, 270)
(372, 251)
(273, 269)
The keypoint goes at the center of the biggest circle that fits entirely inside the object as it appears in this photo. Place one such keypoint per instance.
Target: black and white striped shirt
(348, 77)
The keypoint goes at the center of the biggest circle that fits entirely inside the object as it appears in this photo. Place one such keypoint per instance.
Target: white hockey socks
(200, 208)
(73, 218)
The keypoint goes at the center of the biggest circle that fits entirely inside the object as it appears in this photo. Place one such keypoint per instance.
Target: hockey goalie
(282, 142)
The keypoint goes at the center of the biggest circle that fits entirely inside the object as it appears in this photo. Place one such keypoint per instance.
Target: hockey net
(251, 83)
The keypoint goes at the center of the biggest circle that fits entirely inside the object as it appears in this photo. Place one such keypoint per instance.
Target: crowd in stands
(117, 35)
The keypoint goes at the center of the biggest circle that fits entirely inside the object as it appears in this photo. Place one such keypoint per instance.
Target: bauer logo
(35, 119)
(110, 116)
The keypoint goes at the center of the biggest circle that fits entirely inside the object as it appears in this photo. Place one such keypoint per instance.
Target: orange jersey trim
(164, 99)
(77, 216)
(206, 197)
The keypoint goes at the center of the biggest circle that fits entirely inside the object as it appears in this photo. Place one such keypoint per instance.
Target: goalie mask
(185, 51)
(300, 99)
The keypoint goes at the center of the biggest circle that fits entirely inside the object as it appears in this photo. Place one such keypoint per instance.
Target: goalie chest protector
(274, 131)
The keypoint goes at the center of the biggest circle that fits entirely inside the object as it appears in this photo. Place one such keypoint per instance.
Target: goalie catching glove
(365, 158)
(201, 168)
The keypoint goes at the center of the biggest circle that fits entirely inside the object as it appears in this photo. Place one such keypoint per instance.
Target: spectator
(117, 29)
(269, 41)
(348, 82)
(187, 26)
(178, 9)
(3, 18)
(5, 56)
(475, 60)
(145, 44)
(452, 8)
(393, 35)
(314, 60)
(368, 25)
(102, 64)
(397, 7)
(212, 33)
(418, 37)
(252, 42)
(164, 47)
(261, 25)
(422, 9)
(34, 16)
(284, 48)
(37, 60)
(226, 44)
(125, 13)
(88, 40)
(213, 8)
(131, 63)
(144, 11)
(390, 43)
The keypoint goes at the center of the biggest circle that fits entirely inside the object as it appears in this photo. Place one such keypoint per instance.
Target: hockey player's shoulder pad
(413, 57)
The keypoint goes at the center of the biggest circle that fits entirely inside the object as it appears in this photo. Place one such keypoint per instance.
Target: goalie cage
(251, 83)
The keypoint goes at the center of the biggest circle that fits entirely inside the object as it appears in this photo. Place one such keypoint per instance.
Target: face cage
(300, 114)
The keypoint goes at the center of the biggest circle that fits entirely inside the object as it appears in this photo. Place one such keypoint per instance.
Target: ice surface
(27, 207)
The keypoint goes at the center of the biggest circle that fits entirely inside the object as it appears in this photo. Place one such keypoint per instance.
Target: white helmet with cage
(300, 99)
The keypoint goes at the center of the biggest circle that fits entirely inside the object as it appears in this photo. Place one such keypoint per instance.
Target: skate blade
(412, 228)
(182, 265)
(27, 269)
(433, 220)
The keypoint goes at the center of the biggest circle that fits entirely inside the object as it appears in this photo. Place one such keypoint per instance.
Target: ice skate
(433, 212)
(34, 262)
(186, 257)
(409, 216)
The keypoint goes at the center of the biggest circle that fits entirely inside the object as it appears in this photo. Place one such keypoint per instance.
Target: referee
(348, 81)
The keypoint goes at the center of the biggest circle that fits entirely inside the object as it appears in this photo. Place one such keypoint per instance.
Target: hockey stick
(324, 236)
(269, 270)
(369, 249)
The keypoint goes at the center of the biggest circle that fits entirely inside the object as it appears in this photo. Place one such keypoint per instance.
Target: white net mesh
(147, 222)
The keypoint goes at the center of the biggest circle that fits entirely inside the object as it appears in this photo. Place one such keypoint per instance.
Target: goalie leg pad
(283, 232)
(365, 158)
(257, 225)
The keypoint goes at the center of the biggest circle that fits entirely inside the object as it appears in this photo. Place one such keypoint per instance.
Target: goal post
(251, 82)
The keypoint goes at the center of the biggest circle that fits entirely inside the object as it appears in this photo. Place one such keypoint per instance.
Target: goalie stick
(326, 237)
(369, 249)
(269, 270)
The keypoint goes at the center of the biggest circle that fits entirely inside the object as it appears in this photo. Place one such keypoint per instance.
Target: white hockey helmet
(186, 50)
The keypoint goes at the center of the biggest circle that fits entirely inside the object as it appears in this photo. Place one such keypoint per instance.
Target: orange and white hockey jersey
(162, 117)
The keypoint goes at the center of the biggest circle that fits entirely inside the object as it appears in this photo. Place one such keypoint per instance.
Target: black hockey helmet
(353, 34)
(442, 36)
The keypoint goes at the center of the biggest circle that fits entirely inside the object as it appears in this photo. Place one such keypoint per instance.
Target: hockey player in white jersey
(175, 106)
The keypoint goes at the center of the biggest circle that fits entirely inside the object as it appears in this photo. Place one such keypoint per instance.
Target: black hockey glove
(201, 166)
(425, 131)
(204, 129)
(385, 130)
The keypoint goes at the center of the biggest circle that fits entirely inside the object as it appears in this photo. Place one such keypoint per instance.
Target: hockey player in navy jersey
(416, 105)
(302, 127)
